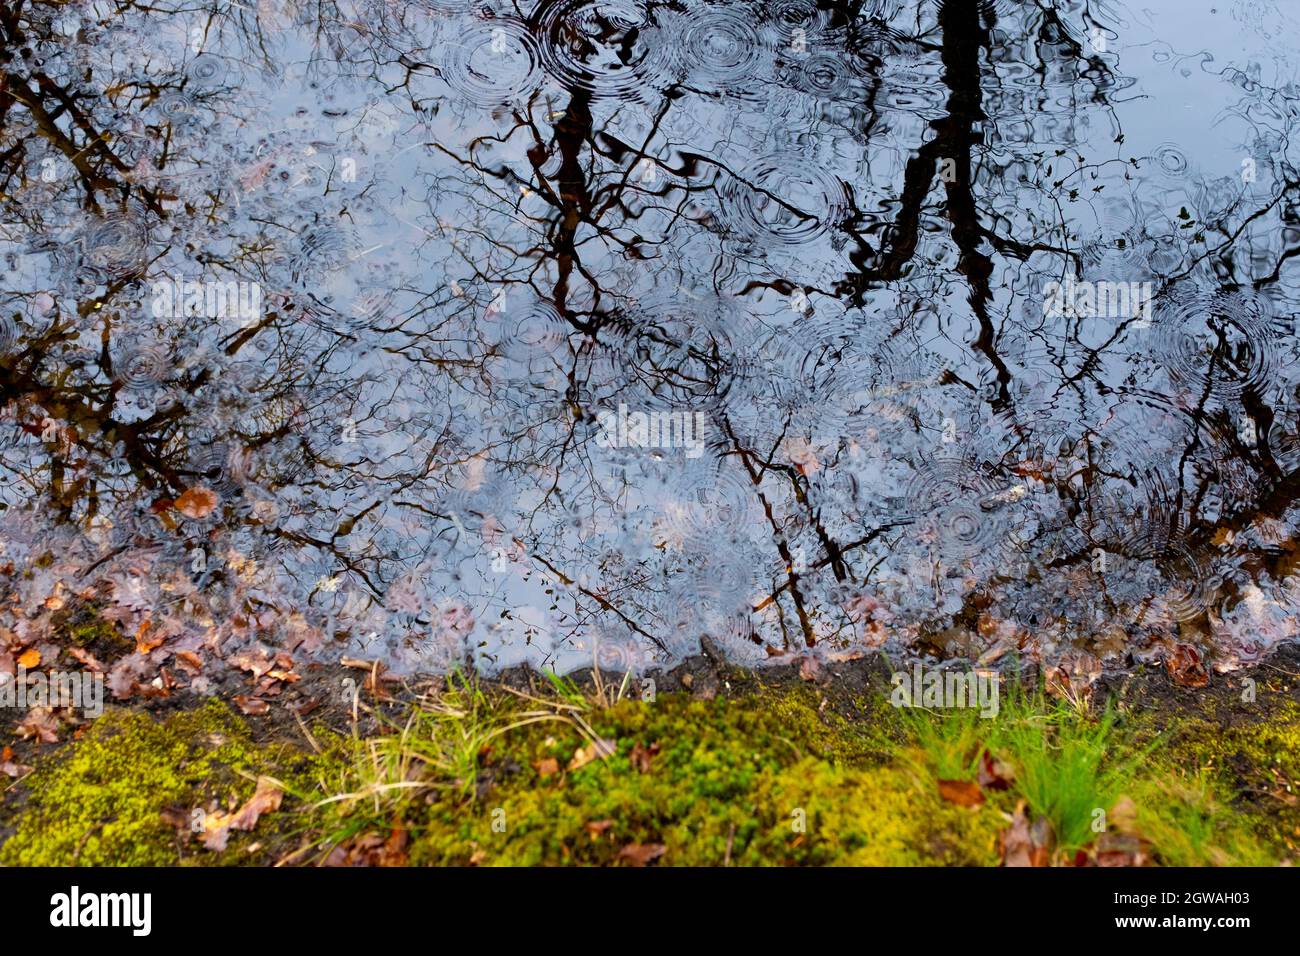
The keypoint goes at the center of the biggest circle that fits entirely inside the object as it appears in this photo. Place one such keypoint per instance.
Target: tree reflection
(828, 228)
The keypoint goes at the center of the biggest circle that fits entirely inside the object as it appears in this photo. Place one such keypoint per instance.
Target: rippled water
(454, 255)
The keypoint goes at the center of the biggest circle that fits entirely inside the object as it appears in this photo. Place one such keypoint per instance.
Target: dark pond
(448, 330)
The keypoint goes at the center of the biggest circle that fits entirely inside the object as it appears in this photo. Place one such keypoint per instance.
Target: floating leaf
(196, 503)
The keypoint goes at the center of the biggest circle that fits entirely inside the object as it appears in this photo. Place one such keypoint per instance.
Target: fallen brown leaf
(7, 765)
(1072, 687)
(1186, 668)
(252, 706)
(1121, 849)
(265, 798)
(393, 852)
(305, 706)
(337, 857)
(1026, 845)
(810, 669)
(964, 793)
(597, 748)
(189, 662)
(371, 849)
(1122, 844)
(125, 675)
(994, 774)
(178, 818)
(86, 659)
(641, 854)
(641, 756)
(547, 766)
(256, 660)
(218, 824)
(216, 831)
(146, 638)
(41, 724)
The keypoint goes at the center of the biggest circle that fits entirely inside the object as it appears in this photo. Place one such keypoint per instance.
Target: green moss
(808, 813)
(764, 780)
(1189, 824)
(826, 732)
(99, 800)
(776, 777)
(1254, 763)
(93, 631)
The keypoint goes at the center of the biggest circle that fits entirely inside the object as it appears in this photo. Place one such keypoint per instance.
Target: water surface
(453, 256)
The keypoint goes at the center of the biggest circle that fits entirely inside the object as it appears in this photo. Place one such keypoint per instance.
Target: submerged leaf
(196, 503)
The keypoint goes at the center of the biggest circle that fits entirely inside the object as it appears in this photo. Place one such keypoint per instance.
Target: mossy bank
(738, 768)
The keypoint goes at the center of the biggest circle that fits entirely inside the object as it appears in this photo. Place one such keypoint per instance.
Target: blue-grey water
(449, 331)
